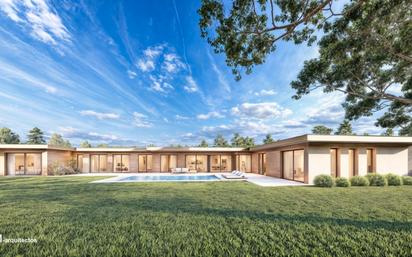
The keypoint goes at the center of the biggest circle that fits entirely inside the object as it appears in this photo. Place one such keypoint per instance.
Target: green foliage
(345, 128)
(342, 182)
(394, 180)
(407, 180)
(203, 143)
(364, 54)
(268, 139)
(220, 141)
(321, 130)
(200, 219)
(376, 179)
(323, 181)
(106, 145)
(388, 132)
(239, 141)
(248, 31)
(8, 137)
(85, 144)
(359, 181)
(35, 136)
(57, 140)
(56, 168)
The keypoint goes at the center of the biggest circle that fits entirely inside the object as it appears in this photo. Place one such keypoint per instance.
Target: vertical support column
(86, 163)
(2, 164)
(44, 163)
(134, 163)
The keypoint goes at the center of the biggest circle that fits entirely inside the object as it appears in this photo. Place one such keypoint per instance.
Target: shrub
(393, 180)
(376, 180)
(57, 168)
(407, 180)
(342, 182)
(323, 181)
(359, 181)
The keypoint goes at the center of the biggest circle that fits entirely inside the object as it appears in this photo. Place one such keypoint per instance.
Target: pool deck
(256, 179)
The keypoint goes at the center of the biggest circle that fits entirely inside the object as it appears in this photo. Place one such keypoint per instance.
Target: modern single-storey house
(299, 158)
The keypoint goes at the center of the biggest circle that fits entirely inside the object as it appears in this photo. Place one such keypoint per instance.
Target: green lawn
(71, 217)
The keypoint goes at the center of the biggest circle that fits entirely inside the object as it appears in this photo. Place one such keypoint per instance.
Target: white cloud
(146, 65)
(131, 74)
(179, 117)
(153, 52)
(261, 110)
(45, 23)
(210, 115)
(100, 115)
(140, 120)
(159, 84)
(172, 63)
(265, 92)
(191, 86)
(70, 132)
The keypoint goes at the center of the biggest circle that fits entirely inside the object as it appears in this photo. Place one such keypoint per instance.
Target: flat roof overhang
(337, 139)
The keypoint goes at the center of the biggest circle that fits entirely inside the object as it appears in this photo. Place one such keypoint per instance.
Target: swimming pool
(160, 178)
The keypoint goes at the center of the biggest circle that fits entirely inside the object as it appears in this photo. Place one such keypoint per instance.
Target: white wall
(319, 161)
(392, 160)
(388, 160)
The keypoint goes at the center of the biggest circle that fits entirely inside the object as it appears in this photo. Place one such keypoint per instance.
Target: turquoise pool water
(151, 178)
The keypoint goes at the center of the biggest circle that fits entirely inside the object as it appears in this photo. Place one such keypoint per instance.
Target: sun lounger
(234, 175)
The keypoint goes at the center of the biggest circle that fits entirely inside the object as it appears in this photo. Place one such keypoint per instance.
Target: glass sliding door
(191, 162)
(164, 163)
(80, 162)
(121, 163)
(298, 165)
(33, 164)
(293, 163)
(215, 163)
(94, 163)
(244, 163)
(167, 163)
(103, 163)
(145, 162)
(226, 163)
(262, 163)
(201, 163)
(24, 164)
(288, 165)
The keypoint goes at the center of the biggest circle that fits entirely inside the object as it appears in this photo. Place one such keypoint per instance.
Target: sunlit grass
(71, 217)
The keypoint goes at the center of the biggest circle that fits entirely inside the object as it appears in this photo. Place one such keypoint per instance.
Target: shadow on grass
(185, 205)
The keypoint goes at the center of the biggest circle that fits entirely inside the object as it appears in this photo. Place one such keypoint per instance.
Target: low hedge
(342, 182)
(376, 180)
(407, 180)
(394, 180)
(359, 181)
(323, 181)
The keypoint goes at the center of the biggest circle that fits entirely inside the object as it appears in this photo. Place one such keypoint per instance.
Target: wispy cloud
(265, 110)
(45, 23)
(191, 86)
(141, 121)
(210, 115)
(180, 117)
(265, 92)
(100, 115)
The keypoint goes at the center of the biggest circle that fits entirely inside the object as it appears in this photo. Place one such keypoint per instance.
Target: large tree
(220, 141)
(35, 136)
(203, 143)
(321, 130)
(237, 140)
(345, 128)
(8, 137)
(85, 144)
(365, 50)
(268, 139)
(58, 140)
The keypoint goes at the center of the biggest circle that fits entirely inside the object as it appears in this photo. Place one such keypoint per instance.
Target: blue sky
(138, 73)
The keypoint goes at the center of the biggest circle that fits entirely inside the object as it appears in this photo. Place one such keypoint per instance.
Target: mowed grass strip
(71, 217)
